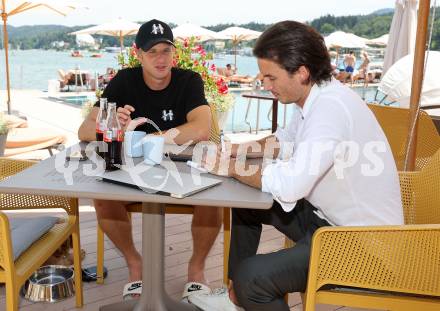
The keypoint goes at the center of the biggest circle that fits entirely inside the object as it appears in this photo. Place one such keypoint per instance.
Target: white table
(43, 178)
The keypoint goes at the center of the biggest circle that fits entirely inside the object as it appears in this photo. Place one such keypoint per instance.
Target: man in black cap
(172, 98)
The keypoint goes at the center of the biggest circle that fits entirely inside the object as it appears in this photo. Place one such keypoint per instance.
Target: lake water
(32, 69)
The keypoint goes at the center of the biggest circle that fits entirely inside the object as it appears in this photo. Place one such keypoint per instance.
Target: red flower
(223, 89)
(212, 67)
(219, 81)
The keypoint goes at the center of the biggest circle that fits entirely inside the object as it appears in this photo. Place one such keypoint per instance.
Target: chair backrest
(421, 193)
(10, 167)
(395, 122)
(12, 201)
(77, 79)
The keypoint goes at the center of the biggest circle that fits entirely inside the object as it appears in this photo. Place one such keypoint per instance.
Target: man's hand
(124, 115)
(219, 163)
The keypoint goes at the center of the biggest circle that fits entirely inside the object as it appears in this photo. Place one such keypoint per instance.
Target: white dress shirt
(340, 161)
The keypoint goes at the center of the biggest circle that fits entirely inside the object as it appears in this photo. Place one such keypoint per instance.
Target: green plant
(98, 93)
(4, 124)
(128, 59)
(190, 55)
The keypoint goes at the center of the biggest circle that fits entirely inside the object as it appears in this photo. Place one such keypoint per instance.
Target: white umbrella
(117, 28)
(340, 39)
(85, 39)
(18, 6)
(396, 83)
(238, 34)
(402, 33)
(382, 40)
(187, 30)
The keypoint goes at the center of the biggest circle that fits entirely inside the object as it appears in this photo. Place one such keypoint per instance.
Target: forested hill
(369, 26)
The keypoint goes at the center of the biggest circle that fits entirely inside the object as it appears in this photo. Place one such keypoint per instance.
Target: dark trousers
(261, 281)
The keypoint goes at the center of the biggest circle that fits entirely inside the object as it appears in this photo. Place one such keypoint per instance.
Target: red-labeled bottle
(113, 137)
(101, 123)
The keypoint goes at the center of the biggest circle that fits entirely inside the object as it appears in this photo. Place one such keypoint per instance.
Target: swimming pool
(77, 100)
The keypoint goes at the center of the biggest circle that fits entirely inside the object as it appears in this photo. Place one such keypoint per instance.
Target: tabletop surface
(54, 176)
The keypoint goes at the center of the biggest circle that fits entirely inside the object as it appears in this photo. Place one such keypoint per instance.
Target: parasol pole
(121, 41)
(417, 81)
(235, 54)
(5, 44)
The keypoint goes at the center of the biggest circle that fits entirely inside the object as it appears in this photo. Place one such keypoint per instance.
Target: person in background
(349, 63)
(230, 75)
(229, 72)
(364, 70)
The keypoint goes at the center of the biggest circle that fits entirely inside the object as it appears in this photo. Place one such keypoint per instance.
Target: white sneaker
(194, 288)
(218, 300)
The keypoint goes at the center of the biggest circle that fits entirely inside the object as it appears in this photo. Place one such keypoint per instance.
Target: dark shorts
(349, 69)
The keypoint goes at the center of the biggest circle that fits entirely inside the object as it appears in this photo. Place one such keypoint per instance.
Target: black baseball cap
(152, 33)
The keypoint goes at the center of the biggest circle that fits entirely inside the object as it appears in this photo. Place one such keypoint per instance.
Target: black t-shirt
(167, 108)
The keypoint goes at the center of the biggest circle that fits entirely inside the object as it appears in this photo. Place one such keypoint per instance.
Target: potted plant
(4, 128)
(192, 56)
(87, 106)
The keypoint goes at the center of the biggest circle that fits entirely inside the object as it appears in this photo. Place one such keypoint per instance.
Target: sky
(201, 12)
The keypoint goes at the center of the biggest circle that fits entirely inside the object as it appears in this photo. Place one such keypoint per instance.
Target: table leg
(246, 116)
(274, 115)
(154, 297)
(258, 117)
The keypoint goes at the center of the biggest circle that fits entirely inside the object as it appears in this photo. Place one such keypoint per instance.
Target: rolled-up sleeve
(291, 180)
(270, 184)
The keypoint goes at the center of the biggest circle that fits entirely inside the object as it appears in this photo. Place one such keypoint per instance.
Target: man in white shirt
(334, 167)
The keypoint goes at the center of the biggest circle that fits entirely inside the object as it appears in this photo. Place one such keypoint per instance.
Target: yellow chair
(384, 267)
(176, 209)
(15, 273)
(394, 122)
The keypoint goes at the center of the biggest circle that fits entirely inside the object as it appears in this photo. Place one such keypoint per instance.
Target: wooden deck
(177, 250)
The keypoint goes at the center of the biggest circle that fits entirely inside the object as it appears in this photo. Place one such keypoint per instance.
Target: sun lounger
(21, 140)
(15, 122)
(234, 80)
(74, 77)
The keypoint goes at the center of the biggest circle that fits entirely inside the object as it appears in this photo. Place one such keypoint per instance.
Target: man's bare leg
(205, 227)
(113, 219)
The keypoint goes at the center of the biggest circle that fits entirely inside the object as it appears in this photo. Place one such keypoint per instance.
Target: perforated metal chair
(384, 267)
(176, 209)
(15, 273)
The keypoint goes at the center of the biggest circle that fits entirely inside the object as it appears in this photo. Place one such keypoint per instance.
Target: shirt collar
(314, 93)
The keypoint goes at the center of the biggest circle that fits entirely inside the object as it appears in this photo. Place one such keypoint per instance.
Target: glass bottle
(113, 137)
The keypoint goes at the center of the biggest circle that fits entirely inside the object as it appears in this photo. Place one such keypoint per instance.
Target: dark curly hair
(292, 45)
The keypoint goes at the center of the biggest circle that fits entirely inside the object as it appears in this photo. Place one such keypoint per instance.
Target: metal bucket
(49, 284)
